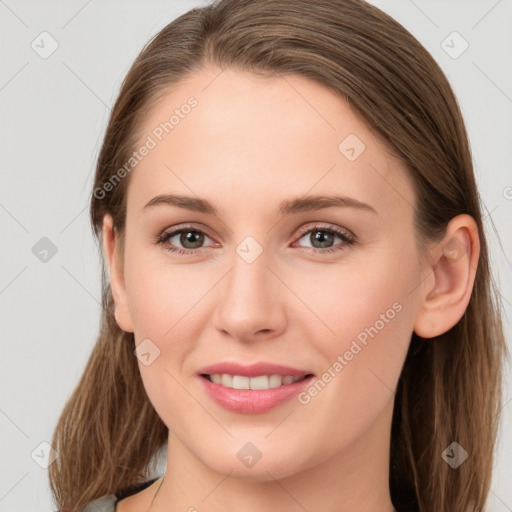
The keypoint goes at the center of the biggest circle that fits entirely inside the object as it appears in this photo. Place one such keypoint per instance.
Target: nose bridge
(249, 294)
(249, 279)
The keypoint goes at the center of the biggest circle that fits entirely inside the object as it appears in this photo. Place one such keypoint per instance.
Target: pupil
(320, 236)
(189, 236)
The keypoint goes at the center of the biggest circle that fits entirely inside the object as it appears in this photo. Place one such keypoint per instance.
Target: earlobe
(452, 269)
(117, 283)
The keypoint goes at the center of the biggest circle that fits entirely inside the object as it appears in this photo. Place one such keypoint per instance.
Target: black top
(109, 502)
(133, 489)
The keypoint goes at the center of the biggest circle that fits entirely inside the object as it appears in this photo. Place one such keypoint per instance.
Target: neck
(356, 479)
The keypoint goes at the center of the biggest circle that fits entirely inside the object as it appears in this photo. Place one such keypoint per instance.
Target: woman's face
(262, 279)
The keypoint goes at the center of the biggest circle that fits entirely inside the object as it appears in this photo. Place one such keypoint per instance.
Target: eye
(192, 239)
(321, 238)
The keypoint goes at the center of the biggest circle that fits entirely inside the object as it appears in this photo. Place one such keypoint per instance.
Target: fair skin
(249, 144)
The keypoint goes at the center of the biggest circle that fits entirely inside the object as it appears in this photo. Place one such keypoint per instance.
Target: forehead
(219, 132)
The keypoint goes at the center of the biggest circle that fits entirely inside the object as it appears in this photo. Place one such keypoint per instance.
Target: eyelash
(347, 237)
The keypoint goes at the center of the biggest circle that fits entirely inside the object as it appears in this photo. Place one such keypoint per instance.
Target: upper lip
(253, 370)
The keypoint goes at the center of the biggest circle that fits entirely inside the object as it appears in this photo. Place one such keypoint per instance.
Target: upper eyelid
(322, 226)
(176, 230)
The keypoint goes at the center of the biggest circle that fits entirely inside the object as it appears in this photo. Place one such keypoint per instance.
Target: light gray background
(53, 115)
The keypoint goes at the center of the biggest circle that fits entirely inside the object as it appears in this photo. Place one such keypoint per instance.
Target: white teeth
(226, 380)
(240, 382)
(275, 381)
(259, 382)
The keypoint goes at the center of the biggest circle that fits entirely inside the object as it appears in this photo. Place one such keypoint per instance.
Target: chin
(259, 473)
(263, 469)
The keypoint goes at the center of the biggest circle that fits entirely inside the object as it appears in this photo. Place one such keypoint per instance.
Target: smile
(252, 395)
(255, 383)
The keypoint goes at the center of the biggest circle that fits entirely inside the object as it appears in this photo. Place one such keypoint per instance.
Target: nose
(250, 300)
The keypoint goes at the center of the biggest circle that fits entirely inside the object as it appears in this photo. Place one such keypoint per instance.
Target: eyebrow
(286, 207)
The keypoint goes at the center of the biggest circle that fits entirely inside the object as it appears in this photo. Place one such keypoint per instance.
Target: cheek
(161, 301)
(367, 297)
(371, 312)
(374, 314)
(160, 293)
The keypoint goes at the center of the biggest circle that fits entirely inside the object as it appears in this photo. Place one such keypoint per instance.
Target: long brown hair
(450, 388)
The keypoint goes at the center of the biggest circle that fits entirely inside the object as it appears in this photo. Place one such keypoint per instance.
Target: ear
(112, 252)
(451, 273)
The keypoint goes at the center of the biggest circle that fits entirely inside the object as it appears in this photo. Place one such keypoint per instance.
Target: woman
(298, 301)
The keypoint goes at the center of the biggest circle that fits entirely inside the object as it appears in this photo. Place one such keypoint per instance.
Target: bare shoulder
(139, 501)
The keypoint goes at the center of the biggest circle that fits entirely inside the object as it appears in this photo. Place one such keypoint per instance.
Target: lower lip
(255, 401)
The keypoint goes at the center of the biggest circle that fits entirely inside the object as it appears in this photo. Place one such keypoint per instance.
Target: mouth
(259, 382)
(252, 389)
